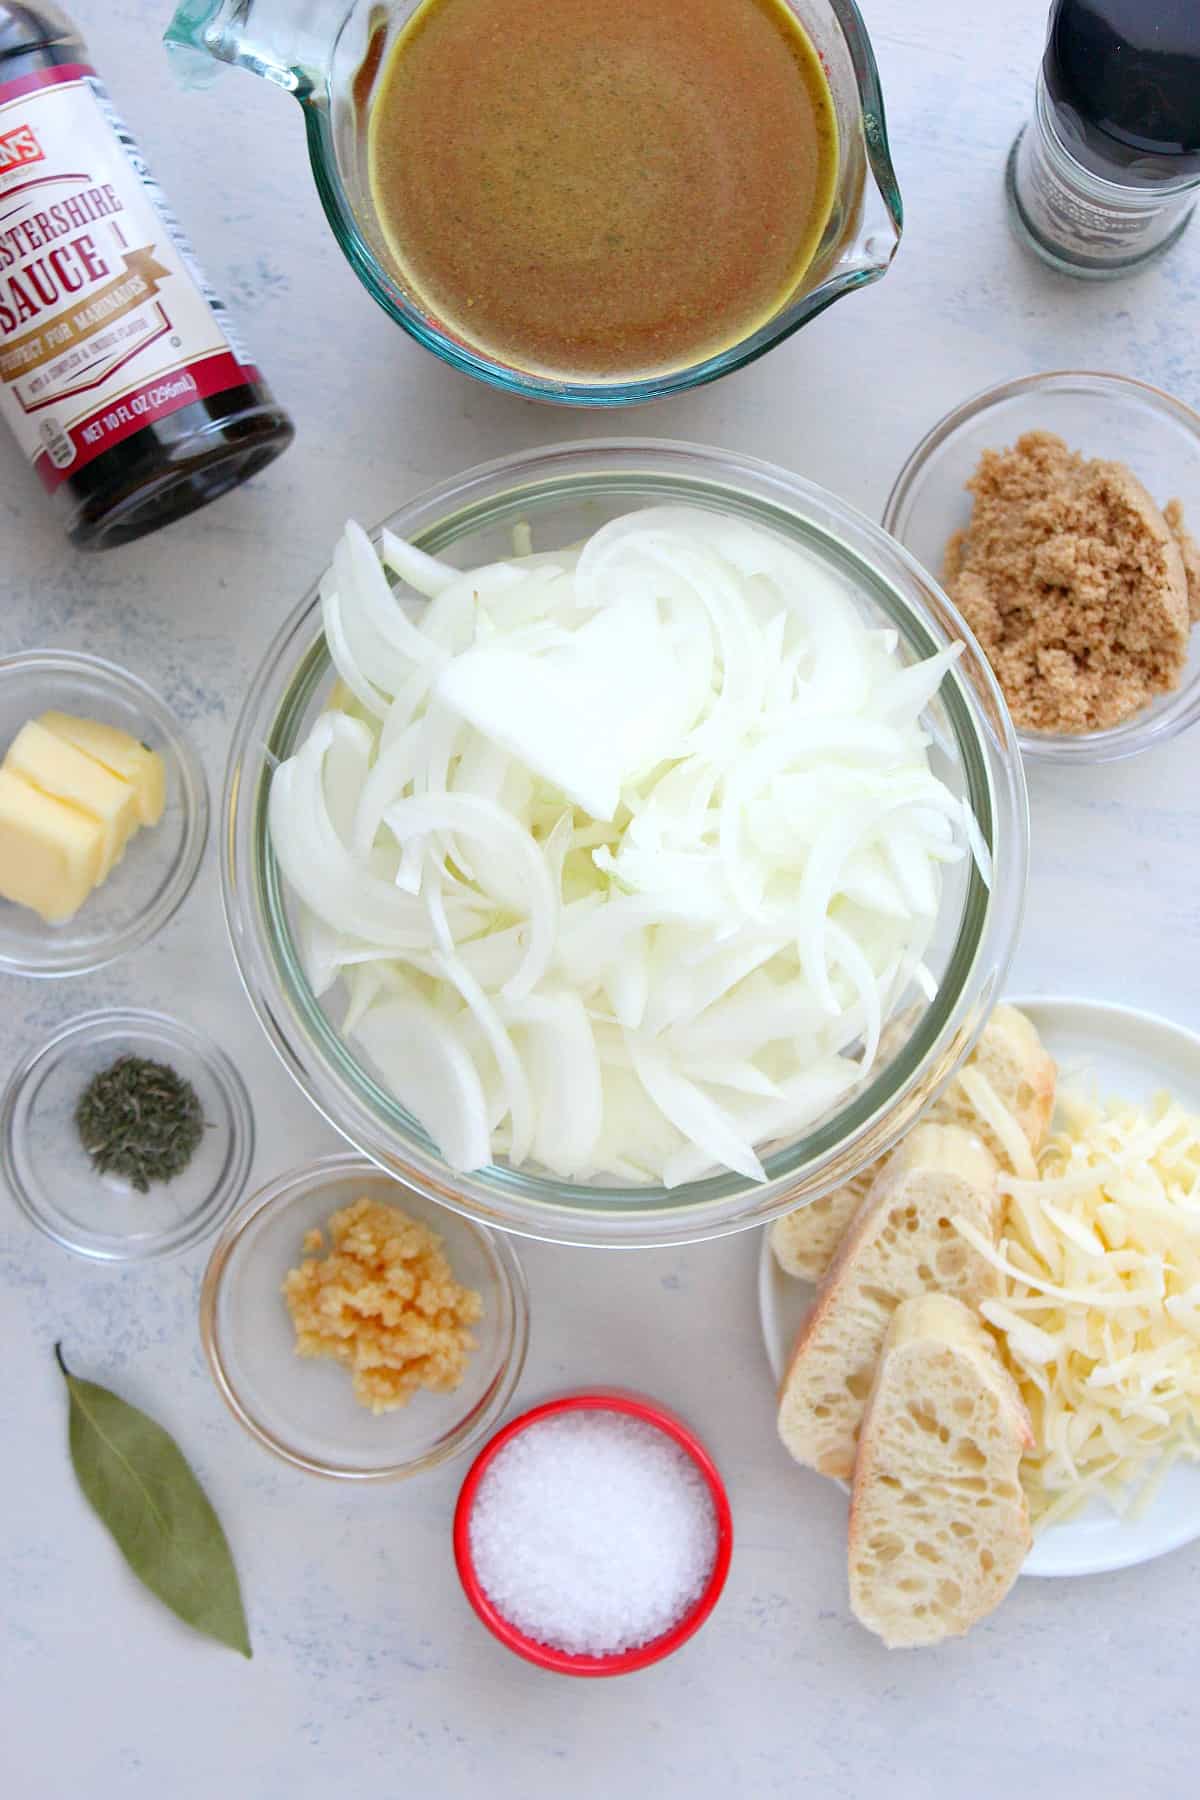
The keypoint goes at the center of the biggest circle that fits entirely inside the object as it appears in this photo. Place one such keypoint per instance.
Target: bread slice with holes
(1021, 1073)
(805, 1242)
(939, 1525)
(901, 1243)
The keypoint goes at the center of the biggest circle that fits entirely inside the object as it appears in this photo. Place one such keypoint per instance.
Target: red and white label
(19, 146)
(106, 322)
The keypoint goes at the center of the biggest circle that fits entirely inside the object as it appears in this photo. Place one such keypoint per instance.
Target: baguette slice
(901, 1243)
(939, 1526)
(805, 1242)
(1021, 1073)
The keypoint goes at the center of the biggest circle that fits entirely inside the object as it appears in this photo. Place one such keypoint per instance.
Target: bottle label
(106, 322)
(1095, 226)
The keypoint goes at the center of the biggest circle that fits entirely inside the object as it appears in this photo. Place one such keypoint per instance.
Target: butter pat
(65, 773)
(121, 754)
(50, 853)
(72, 794)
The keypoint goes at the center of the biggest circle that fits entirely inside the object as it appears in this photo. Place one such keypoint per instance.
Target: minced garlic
(383, 1300)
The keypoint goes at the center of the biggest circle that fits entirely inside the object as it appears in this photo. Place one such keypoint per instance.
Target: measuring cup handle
(287, 42)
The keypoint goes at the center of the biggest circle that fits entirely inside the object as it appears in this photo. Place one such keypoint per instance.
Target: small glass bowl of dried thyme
(127, 1136)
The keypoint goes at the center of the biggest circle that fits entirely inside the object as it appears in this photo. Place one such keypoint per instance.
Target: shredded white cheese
(992, 1110)
(1100, 1322)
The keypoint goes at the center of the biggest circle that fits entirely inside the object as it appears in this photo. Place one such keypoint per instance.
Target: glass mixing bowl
(564, 494)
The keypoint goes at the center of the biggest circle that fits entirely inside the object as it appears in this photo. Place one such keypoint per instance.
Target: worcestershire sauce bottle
(120, 374)
(1104, 177)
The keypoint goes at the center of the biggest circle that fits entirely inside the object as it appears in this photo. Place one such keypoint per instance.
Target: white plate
(1130, 1053)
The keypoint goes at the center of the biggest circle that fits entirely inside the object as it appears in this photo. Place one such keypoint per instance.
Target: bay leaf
(140, 1486)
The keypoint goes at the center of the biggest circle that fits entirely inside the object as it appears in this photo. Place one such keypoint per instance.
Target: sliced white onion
(844, 950)
(393, 771)
(623, 854)
(424, 573)
(322, 951)
(692, 1112)
(564, 1073)
(472, 818)
(977, 843)
(343, 657)
(329, 881)
(423, 1060)
(742, 1077)
(519, 1103)
(910, 690)
(511, 698)
(374, 653)
(347, 761)
(803, 1101)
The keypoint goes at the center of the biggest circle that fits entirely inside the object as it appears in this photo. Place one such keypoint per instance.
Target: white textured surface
(370, 1673)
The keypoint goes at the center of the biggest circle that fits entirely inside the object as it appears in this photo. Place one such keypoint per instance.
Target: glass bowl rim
(639, 1656)
(653, 1216)
(209, 1213)
(276, 1195)
(150, 918)
(1141, 732)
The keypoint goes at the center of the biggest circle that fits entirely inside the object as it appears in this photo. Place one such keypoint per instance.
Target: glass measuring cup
(330, 53)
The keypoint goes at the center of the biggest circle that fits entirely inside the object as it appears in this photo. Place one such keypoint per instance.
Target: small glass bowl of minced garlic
(127, 1135)
(358, 1330)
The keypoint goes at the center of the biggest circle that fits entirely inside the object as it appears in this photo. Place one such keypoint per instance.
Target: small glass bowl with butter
(59, 840)
(304, 1408)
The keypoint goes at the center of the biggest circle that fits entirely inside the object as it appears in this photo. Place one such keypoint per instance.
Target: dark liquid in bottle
(181, 462)
(1124, 80)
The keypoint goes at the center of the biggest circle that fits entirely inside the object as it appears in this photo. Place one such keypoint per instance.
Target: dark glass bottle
(119, 371)
(1104, 177)
(1123, 78)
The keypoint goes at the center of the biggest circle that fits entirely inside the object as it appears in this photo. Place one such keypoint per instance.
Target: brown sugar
(1079, 589)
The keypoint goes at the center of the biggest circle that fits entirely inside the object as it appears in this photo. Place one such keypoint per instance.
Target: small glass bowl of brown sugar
(358, 1330)
(1057, 510)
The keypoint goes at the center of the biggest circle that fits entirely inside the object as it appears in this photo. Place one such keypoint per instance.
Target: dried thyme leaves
(139, 1119)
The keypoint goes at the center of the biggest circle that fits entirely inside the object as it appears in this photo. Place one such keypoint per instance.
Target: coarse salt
(593, 1532)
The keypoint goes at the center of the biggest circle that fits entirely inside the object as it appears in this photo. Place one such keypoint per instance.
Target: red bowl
(626, 1661)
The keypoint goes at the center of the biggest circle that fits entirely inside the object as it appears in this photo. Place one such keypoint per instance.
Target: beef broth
(602, 191)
